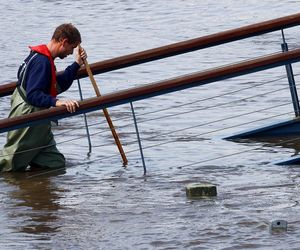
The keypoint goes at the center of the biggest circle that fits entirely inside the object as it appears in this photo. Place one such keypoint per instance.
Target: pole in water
(106, 114)
(291, 79)
(85, 121)
(138, 137)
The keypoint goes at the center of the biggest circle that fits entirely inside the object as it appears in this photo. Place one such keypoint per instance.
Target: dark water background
(97, 204)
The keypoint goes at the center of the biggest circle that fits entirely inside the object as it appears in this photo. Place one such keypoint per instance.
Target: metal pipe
(181, 47)
(154, 89)
(85, 121)
(138, 138)
(291, 79)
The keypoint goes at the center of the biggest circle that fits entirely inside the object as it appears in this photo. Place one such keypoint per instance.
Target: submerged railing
(181, 47)
(285, 58)
(154, 89)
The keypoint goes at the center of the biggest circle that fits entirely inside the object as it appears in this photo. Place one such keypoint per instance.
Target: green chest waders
(31, 146)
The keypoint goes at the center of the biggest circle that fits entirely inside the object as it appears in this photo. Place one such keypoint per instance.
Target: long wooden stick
(106, 114)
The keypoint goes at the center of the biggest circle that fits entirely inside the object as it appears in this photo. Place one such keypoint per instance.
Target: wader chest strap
(22, 77)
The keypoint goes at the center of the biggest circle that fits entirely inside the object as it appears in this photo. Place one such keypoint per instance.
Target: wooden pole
(105, 111)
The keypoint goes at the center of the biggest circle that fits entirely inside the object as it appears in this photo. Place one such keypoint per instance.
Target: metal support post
(85, 121)
(138, 137)
(291, 79)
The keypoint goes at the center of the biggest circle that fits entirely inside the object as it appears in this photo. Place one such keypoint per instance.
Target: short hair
(67, 31)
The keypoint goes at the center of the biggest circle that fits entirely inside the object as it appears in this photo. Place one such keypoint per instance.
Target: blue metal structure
(286, 128)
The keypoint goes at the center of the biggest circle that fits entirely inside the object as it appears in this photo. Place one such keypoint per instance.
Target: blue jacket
(38, 79)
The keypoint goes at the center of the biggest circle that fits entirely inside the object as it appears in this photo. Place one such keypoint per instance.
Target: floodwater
(95, 203)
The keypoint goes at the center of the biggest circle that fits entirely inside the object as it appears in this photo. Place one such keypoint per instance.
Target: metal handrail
(181, 47)
(154, 89)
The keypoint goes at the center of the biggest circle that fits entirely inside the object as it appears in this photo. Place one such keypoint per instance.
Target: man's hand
(70, 104)
(80, 55)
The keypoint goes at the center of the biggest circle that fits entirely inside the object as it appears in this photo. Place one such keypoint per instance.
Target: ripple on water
(97, 204)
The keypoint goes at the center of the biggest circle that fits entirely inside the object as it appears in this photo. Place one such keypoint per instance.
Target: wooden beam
(154, 89)
(181, 47)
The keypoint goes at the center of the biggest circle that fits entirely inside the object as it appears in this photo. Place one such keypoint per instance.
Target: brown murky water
(95, 203)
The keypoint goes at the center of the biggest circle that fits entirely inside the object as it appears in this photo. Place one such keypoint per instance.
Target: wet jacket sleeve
(38, 79)
(65, 79)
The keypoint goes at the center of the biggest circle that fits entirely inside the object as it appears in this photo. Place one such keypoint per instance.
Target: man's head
(68, 37)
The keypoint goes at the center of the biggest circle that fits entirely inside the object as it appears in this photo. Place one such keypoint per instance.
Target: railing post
(138, 137)
(291, 79)
(85, 121)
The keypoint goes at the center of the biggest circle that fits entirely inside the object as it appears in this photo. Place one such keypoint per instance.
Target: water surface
(97, 204)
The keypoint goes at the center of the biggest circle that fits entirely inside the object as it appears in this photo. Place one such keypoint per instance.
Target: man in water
(37, 88)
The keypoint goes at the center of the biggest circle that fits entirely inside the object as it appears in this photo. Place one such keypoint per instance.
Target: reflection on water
(291, 142)
(36, 201)
(95, 203)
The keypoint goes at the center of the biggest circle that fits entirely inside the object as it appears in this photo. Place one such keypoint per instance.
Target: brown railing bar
(193, 44)
(154, 89)
(181, 47)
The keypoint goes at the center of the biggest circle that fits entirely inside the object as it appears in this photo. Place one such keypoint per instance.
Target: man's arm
(66, 78)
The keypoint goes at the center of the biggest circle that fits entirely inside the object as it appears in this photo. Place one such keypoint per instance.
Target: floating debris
(198, 190)
(278, 226)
